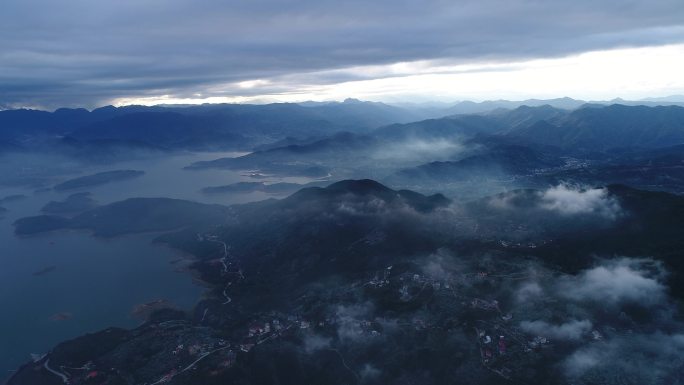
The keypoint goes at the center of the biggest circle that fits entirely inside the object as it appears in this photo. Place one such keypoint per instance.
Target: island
(12, 198)
(250, 187)
(313, 287)
(61, 316)
(45, 270)
(132, 215)
(74, 203)
(98, 179)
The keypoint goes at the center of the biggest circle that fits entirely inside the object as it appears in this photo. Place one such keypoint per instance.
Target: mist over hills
(194, 127)
(613, 126)
(527, 146)
(356, 192)
(377, 244)
(365, 272)
(235, 126)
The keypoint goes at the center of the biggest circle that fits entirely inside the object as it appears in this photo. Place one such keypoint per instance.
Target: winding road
(225, 264)
(63, 376)
(201, 357)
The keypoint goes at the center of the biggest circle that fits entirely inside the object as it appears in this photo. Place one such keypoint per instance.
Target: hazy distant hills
(497, 160)
(524, 116)
(529, 145)
(98, 179)
(195, 127)
(615, 126)
(563, 122)
(357, 114)
(459, 126)
(554, 228)
(344, 143)
(129, 216)
(352, 209)
(470, 107)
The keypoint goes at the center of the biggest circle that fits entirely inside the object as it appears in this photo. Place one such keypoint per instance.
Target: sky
(84, 53)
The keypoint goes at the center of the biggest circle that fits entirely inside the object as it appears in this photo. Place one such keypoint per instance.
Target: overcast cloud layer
(82, 52)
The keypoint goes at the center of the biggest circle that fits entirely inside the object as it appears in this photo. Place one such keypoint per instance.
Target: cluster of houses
(536, 343)
(491, 346)
(482, 304)
(263, 330)
(198, 348)
(522, 245)
(381, 279)
(198, 351)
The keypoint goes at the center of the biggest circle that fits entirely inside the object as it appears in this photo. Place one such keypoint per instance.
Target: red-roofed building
(92, 374)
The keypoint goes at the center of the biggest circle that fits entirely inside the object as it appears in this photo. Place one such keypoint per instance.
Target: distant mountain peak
(365, 190)
(352, 100)
(360, 186)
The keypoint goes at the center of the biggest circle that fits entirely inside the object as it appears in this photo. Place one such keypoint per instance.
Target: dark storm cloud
(86, 52)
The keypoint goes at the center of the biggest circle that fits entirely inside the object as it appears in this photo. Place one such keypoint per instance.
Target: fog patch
(349, 321)
(599, 343)
(613, 282)
(509, 201)
(372, 206)
(569, 200)
(369, 372)
(581, 361)
(642, 358)
(315, 342)
(440, 265)
(36, 170)
(528, 291)
(571, 330)
(420, 150)
(388, 325)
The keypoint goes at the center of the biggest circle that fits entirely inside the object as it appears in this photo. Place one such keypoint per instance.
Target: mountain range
(357, 275)
(564, 122)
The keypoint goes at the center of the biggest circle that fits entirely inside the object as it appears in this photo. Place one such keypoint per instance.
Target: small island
(61, 316)
(12, 198)
(259, 165)
(44, 271)
(144, 310)
(250, 187)
(132, 215)
(73, 204)
(98, 179)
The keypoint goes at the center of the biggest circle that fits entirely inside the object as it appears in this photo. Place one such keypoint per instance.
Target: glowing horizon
(631, 74)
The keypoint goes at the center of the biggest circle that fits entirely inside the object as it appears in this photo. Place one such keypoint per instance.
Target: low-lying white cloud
(649, 358)
(581, 361)
(348, 320)
(568, 200)
(369, 372)
(528, 292)
(624, 280)
(571, 330)
(314, 343)
(415, 149)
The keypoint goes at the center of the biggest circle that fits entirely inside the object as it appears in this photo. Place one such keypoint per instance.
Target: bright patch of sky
(631, 73)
